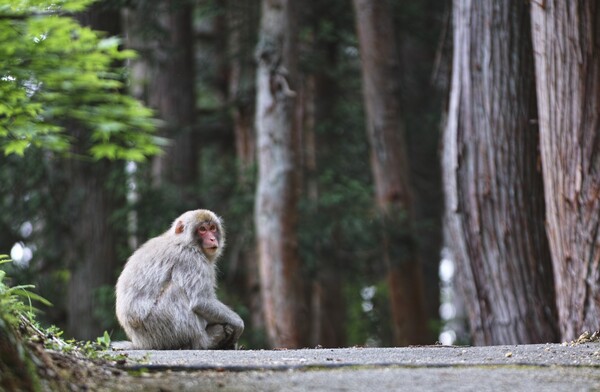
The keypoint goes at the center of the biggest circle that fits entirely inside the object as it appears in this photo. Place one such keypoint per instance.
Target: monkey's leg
(214, 311)
(228, 342)
(215, 335)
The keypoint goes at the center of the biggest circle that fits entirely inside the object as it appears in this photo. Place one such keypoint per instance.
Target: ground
(546, 367)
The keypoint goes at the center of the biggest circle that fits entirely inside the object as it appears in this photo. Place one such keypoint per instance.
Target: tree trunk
(328, 305)
(276, 196)
(92, 241)
(92, 244)
(390, 169)
(167, 70)
(242, 28)
(419, 28)
(566, 39)
(327, 302)
(494, 192)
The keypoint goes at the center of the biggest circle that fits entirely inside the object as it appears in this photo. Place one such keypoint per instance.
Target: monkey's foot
(122, 345)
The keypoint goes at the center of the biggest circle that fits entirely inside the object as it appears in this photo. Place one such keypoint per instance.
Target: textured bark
(276, 196)
(92, 240)
(91, 250)
(167, 80)
(418, 22)
(494, 191)
(566, 40)
(390, 168)
(241, 28)
(319, 104)
(328, 305)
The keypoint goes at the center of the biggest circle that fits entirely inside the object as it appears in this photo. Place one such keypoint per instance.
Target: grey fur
(166, 293)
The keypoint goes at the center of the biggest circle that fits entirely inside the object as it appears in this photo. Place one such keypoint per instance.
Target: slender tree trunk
(328, 305)
(275, 214)
(241, 29)
(566, 41)
(494, 192)
(390, 168)
(167, 74)
(421, 100)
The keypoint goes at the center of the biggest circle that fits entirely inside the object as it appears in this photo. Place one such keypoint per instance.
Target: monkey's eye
(213, 228)
(202, 229)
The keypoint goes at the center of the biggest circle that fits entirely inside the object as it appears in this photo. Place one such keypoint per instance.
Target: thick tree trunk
(275, 208)
(91, 249)
(92, 242)
(494, 192)
(390, 168)
(566, 40)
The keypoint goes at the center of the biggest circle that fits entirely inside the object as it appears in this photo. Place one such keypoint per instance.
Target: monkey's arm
(216, 312)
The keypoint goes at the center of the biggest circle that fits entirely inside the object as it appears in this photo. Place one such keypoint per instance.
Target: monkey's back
(158, 282)
(144, 276)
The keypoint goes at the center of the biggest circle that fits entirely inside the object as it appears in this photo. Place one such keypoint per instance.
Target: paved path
(550, 367)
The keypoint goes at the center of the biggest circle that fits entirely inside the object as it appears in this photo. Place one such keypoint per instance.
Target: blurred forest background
(352, 147)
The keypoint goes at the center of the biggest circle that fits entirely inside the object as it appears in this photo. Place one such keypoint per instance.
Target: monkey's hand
(236, 324)
(217, 335)
(215, 312)
(228, 329)
(222, 336)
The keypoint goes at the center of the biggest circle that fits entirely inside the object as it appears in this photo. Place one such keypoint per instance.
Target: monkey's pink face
(208, 234)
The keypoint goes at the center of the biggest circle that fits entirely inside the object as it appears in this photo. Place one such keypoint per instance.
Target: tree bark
(566, 39)
(418, 36)
(390, 169)
(90, 247)
(167, 85)
(328, 305)
(276, 195)
(241, 28)
(494, 192)
(92, 244)
(317, 108)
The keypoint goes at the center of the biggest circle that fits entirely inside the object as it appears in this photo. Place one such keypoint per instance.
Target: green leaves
(54, 72)
(16, 301)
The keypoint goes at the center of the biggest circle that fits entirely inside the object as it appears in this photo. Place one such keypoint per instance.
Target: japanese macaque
(166, 293)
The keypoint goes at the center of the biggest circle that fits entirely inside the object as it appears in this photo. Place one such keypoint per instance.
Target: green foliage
(55, 73)
(16, 301)
(52, 339)
(16, 308)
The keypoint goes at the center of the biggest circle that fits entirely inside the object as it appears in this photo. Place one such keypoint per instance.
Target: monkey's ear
(179, 227)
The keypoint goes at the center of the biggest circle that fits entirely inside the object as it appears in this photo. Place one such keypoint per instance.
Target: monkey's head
(203, 229)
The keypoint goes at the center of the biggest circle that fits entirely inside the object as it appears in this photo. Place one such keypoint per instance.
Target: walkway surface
(546, 367)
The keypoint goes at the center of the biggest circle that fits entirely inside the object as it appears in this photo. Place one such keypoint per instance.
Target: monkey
(166, 293)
